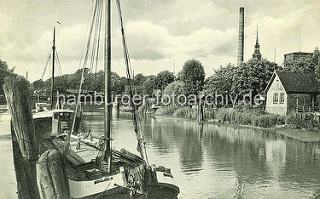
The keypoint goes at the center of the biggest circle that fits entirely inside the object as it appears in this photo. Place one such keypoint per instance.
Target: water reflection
(238, 162)
(207, 160)
(219, 161)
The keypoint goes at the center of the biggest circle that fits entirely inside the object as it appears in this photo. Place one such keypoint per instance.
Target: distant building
(291, 92)
(295, 56)
(256, 54)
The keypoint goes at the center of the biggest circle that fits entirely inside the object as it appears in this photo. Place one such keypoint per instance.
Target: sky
(161, 34)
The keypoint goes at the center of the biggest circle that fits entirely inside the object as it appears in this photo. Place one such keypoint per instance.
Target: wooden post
(16, 91)
(200, 112)
(115, 109)
(52, 176)
(25, 172)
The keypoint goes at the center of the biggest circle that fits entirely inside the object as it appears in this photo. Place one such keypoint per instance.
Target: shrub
(169, 110)
(209, 113)
(302, 120)
(142, 109)
(249, 117)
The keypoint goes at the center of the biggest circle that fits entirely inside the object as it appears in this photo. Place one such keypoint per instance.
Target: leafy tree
(221, 81)
(3, 65)
(92, 81)
(39, 84)
(149, 85)
(253, 75)
(116, 85)
(4, 71)
(139, 79)
(177, 88)
(193, 76)
(163, 79)
(306, 65)
(317, 72)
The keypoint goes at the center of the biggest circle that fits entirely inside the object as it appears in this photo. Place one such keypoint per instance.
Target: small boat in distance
(126, 109)
(46, 115)
(41, 106)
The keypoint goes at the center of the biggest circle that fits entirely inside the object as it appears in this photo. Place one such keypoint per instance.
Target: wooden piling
(25, 172)
(199, 112)
(115, 110)
(16, 92)
(52, 176)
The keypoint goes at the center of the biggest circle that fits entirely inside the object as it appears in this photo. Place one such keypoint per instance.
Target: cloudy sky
(160, 33)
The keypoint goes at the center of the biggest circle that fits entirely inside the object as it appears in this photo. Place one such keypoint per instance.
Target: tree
(4, 71)
(163, 79)
(306, 65)
(149, 85)
(116, 85)
(193, 76)
(221, 81)
(317, 72)
(139, 79)
(253, 76)
(177, 88)
(4, 65)
(39, 84)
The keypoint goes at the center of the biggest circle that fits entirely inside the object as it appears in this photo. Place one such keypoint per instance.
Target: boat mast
(53, 55)
(141, 144)
(107, 90)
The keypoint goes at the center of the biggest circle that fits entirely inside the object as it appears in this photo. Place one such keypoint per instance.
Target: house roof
(296, 82)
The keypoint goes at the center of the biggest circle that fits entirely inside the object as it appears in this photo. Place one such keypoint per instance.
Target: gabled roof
(296, 82)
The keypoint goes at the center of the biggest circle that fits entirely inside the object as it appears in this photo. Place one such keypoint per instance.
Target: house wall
(276, 107)
(303, 100)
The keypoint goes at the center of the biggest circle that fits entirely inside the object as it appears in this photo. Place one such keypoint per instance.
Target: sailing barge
(94, 168)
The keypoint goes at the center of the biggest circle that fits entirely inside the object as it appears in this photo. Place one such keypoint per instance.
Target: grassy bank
(300, 126)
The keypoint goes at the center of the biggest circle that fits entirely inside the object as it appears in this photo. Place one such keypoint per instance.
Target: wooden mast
(107, 90)
(53, 55)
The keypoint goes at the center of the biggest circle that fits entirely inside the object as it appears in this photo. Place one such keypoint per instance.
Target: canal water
(223, 161)
(207, 160)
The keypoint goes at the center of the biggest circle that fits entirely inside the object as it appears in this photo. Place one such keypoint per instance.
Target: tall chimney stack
(241, 36)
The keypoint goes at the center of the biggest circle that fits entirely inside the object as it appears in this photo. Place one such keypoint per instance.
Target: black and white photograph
(159, 99)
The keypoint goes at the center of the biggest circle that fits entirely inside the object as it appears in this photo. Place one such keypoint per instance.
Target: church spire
(257, 54)
(257, 40)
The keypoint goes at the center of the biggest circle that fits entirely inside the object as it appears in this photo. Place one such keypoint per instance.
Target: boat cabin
(62, 121)
(57, 121)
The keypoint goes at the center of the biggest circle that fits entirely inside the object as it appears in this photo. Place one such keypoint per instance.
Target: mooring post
(200, 112)
(25, 172)
(52, 176)
(16, 92)
(24, 142)
(115, 109)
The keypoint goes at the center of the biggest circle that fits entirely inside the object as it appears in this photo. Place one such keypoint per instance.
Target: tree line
(252, 75)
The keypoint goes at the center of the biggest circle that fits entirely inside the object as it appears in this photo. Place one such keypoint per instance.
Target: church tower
(257, 54)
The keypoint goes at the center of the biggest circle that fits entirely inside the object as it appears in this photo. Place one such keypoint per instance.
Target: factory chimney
(241, 36)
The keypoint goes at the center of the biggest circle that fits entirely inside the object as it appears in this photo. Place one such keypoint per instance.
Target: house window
(281, 98)
(275, 98)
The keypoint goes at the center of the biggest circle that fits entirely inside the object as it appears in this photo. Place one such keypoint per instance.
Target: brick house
(291, 92)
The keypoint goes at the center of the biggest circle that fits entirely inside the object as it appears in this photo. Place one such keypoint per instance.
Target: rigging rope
(59, 64)
(94, 16)
(45, 67)
(141, 144)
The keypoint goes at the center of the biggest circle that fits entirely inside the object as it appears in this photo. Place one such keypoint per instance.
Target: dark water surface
(219, 161)
(207, 161)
